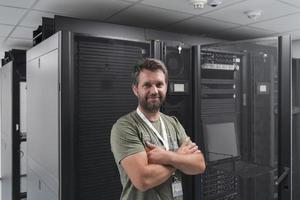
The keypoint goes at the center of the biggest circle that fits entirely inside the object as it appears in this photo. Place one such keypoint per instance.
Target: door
(245, 116)
(6, 130)
(43, 120)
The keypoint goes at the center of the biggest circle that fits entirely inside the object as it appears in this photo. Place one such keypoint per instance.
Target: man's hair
(150, 64)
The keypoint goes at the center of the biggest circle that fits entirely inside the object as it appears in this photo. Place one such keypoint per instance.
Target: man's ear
(135, 89)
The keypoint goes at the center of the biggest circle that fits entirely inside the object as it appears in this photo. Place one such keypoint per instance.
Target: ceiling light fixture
(202, 3)
(199, 3)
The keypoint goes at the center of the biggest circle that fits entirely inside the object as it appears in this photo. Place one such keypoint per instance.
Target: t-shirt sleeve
(181, 134)
(124, 140)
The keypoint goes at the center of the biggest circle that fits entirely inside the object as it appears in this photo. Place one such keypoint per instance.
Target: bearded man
(151, 149)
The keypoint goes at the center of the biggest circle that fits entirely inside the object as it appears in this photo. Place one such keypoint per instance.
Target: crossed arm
(150, 168)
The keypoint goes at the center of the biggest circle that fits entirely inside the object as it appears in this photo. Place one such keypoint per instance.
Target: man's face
(151, 90)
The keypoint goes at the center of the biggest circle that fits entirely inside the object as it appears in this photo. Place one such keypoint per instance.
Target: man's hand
(157, 155)
(188, 147)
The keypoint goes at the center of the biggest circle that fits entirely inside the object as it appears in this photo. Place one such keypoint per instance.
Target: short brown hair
(150, 64)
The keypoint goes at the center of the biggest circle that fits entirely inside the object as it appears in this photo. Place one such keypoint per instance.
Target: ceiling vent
(254, 14)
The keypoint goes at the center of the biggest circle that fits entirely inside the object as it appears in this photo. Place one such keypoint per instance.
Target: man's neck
(151, 116)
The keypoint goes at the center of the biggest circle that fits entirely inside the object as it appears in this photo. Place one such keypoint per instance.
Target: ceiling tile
(1, 40)
(242, 33)
(87, 9)
(131, 1)
(11, 15)
(5, 30)
(150, 17)
(236, 13)
(11, 43)
(23, 33)
(291, 2)
(200, 25)
(185, 5)
(283, 24)
(17, 3)
(34, 18)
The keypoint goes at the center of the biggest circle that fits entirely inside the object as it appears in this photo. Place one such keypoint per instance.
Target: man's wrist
(172, 157)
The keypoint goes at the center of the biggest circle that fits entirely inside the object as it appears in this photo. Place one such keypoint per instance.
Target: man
(152, 149)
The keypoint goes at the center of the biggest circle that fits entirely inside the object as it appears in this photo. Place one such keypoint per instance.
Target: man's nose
(154, 89)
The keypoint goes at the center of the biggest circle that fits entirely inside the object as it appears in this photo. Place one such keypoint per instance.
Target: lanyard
(164, 140)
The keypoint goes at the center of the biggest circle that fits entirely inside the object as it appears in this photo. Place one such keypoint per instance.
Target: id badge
(177, 188)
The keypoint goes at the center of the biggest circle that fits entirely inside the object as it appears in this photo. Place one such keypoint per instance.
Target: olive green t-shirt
(128, 136)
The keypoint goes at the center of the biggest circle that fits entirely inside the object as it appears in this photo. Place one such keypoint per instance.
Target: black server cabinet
(220, 82)
(88, 83)
(103, 93)
(178, 58)
(13, 73)
(243, 95)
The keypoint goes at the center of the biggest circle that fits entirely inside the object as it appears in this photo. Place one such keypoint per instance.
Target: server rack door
(250, 120)
(43, 118)
(103, 91)
(6, 130)
(296, 126)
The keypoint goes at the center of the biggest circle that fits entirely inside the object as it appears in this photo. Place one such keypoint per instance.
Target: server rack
(295, 126)
(81, 78)
(13, 76)
(178, 58)
(240, 93)
(220, 98)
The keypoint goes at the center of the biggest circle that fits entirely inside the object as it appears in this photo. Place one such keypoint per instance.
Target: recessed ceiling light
(199, 3)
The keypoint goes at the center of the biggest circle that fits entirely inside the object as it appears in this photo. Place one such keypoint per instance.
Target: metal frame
(68, 188)
(198, 137)
(285, 188)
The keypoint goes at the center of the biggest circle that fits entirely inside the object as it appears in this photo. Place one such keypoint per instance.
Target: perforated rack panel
(104, 95)
(219, 185)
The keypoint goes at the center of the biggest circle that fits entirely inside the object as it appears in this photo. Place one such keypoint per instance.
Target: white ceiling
(18, 18)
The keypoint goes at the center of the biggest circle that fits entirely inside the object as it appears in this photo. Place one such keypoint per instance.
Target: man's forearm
(188, 163)
(154, 175)
(143, 174)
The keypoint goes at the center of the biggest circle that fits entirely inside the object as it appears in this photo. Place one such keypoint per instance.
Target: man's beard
(151, 107)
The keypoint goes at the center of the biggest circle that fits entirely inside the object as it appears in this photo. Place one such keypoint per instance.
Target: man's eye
(159, 85)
